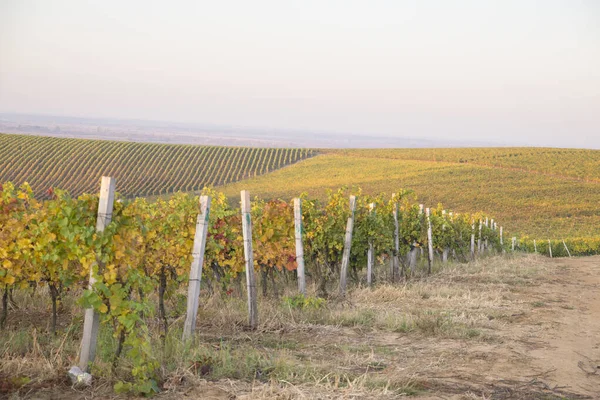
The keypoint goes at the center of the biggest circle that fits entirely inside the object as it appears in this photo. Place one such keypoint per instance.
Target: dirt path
(553, 347)
(571, 326)
(544, 345)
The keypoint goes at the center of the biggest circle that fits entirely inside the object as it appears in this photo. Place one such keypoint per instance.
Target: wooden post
(429, 241)
(566, 248)
(479, 242)
(370, 254)
(347, 247)
(421, 209)
(501, 237)
(514, 242)
(550, 248)
(412, 258)
(299, 245)
(534, 246)
(446, 250)
(196, 268)
(485, 242)
(249, 259)
(473, 241)
(396, 260)
(91, 319)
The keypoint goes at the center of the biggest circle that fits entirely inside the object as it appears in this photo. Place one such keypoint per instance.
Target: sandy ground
(555, 346)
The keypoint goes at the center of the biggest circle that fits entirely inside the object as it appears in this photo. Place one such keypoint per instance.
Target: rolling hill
(141, 169)
(545, 193)
(541, 192)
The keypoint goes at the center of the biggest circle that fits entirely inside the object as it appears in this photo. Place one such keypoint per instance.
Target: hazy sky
(508, 71)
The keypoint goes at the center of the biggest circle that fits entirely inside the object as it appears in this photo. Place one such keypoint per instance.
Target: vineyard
(140, 252)
(536, 192)
(143, 169)
(577, 164)
(526, 200)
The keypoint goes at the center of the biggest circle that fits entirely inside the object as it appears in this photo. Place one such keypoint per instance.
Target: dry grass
(379, 342)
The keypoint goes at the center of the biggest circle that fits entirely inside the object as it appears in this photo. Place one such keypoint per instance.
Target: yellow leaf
(103, 309)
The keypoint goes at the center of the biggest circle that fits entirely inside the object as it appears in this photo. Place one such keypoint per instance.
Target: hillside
(141, 169)
(546, 193)
(579, 164)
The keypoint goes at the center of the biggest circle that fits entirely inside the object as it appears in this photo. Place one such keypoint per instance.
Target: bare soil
(549, 349)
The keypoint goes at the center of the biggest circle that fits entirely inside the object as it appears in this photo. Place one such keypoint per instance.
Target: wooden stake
(501, 237)
(196, 268)
(299, 245)
(566, 248)
(534, 246)
(370, 254)
(550, 248)
(347, 247)
(479, 242)
(396, 261)
(446, 249)
(473, 241)
(429, 241)
(91, 322)
(412, 258)
(249, 259)
(514, 242)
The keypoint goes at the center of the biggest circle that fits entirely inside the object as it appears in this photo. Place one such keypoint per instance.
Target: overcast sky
(508, 71)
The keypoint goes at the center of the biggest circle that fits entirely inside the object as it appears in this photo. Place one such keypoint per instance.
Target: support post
(249, 259)
(534, 246)
(347, 247)
(479, 242)
(550, 247)
(566, 248)
(514, 243)
(196, 267)
(473, 241)
(91, 322)
(370, 254)
(429, 241)
(396, 260)
(299, 245)
(446, 250)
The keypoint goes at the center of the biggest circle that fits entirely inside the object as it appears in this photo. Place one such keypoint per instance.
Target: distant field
(141, 169)
(544, 193)
(566, 163)
(530, 192)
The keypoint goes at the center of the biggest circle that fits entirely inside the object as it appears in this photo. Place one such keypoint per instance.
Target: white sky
(508, 71)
